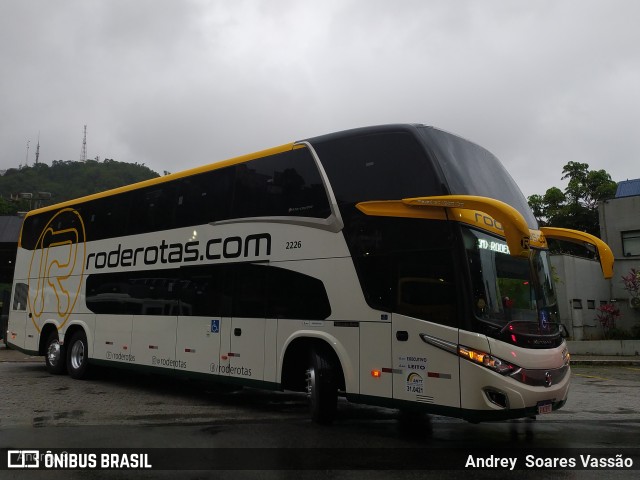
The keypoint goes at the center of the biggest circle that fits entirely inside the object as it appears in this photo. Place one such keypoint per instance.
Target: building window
(631, 243)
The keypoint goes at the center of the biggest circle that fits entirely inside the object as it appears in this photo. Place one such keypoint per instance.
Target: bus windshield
(511, 295)
(469, 169)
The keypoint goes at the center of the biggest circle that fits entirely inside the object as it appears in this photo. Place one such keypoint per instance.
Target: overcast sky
(175, 84)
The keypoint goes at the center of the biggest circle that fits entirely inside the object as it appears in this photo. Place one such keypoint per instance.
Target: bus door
(154, 326)
(203, 320)
(424, 370)
(424, 329)
(221, 329)
(198, 343)
(31, 332)
(248, 325)
(112, 337)
(18, 316)
(117, 300)
(154, 340)
(246, 355)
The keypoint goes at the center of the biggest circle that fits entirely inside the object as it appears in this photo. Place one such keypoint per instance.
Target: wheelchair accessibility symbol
(215, 326)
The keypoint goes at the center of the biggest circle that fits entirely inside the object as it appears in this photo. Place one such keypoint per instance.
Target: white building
(581, 288)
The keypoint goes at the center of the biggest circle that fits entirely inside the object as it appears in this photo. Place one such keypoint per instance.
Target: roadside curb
(606, 362)
(8, 355)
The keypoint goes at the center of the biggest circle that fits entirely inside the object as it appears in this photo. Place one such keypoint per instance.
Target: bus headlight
(566, 357)
(486, 360)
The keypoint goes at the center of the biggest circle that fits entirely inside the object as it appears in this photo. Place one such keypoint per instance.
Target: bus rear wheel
(322, 390)
(77, 356)
(54, 357)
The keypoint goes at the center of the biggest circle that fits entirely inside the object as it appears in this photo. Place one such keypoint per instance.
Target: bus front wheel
(54, 357)
(322, 389)
(77, 355)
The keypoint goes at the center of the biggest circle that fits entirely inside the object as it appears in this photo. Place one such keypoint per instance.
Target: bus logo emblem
(57, 266)
(415, 383)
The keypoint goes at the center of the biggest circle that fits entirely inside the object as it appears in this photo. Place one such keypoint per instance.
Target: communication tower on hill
(38, 149)
(83, 152)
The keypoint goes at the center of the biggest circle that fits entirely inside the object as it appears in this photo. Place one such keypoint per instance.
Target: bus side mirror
(574, 236)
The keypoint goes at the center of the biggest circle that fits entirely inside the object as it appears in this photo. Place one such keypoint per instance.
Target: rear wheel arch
(72, 329)
(45, 334)
(296, 361)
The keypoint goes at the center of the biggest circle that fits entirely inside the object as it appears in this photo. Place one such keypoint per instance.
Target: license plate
(545, 407)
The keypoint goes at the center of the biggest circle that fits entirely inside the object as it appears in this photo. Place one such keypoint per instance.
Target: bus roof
(224, 163)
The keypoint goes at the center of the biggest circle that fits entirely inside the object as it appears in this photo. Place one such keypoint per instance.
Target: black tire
(55, 355)
(78, 356)
(322, 389)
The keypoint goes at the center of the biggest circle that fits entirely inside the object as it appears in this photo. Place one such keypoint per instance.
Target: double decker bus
(396, 265)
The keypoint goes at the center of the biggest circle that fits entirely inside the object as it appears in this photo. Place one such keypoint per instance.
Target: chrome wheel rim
(77, 355)
(311, 380)
(53, 353)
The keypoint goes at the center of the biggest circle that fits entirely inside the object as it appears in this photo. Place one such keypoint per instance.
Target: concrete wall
(619, 215)
(605, 347)
(581, 288)
(616, 216)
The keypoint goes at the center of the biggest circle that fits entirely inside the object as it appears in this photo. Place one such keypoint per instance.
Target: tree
(7, 208)
(577, 206)
(66, 180)
(587, 187)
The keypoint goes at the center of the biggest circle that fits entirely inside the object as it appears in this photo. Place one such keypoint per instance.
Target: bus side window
(285, 184)
(134, 293)
(296, 296)
(425, 286)
(249, 291)
(20, 296)
(204, 198)
(107, 217)
(206, 291)
(31, 229)
(153, 209)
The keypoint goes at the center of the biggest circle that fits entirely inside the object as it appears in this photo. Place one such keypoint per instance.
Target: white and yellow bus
(396, 265)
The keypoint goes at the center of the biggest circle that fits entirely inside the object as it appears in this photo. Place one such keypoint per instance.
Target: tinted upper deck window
(285, 184)
(379, 166)
(205, 197)
(470, 169)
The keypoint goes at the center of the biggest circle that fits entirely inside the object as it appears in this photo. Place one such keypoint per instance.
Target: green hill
(65, 180)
